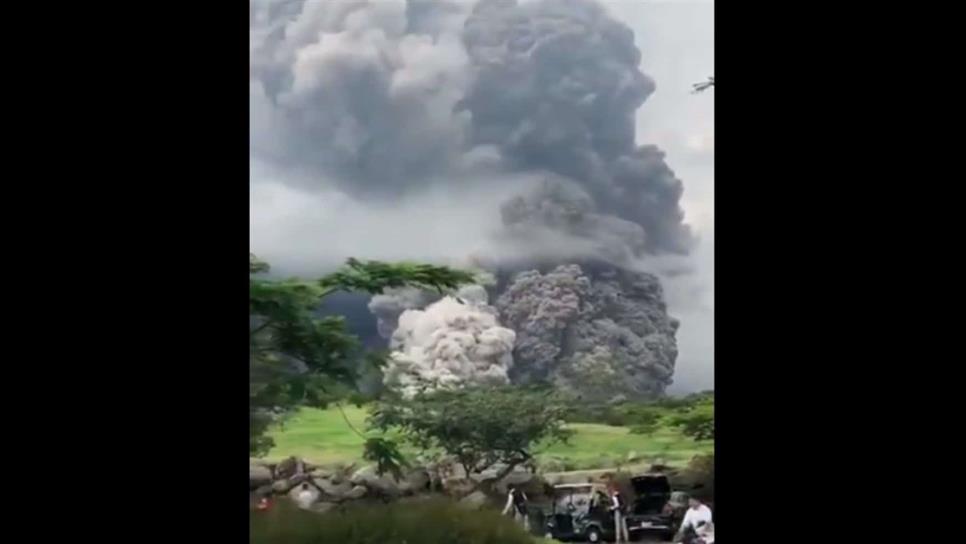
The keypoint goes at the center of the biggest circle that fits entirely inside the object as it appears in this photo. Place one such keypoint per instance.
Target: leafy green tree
(697, 424)
(479, 426)
(297, 358)
(645, 421)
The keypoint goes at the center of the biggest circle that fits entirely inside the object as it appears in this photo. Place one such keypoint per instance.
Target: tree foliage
(646, 421)
(479, 426)
(298, 358)
(697, 423)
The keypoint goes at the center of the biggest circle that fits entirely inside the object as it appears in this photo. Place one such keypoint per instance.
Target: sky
(676, 38)
(301, 233)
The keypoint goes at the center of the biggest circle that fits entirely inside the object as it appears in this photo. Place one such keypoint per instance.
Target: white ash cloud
(455, 341)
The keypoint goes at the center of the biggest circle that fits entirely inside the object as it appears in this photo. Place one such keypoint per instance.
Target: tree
(697, 424)
(645, 421)
(479, 426)
(297, 358)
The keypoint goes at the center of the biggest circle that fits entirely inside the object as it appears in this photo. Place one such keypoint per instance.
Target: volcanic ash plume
(384, 100)
(453, 342)
(386, 97)
(600, 333)
(388, 306)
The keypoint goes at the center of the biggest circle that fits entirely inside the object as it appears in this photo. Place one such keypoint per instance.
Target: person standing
(516, 502)
(619, 507)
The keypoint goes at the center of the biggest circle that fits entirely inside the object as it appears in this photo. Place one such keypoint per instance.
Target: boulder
(356, 492)
(458, 487)
(281, 487)
(476, 499)
(415, 481)
(337, 491)
(290, 467)
(368, 477)
(258, 476)
(284, 486)
(321, 472)
(263, 491)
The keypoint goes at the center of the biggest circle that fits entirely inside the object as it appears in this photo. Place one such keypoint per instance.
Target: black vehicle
(655, 510)
(580, 512)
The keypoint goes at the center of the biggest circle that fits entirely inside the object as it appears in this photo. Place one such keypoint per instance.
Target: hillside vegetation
(604, 436)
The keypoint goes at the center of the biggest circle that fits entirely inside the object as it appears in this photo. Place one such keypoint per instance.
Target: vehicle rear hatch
(652, 492)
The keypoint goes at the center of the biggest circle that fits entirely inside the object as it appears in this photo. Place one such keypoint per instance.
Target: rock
(282, 486)
(476, 499)
(289, 468)
(416, 481)
(321, 472)
(367, 476)
(331, 489)
(356, 492)
(258, 476)
(485, 476)
(458, 487)
(263, 491)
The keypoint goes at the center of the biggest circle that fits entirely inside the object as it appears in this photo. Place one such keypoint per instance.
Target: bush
(698, 477)
(434, 521)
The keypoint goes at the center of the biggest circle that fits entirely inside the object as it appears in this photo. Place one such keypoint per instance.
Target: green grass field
(322, 437)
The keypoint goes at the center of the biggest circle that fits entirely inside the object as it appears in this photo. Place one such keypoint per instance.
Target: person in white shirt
(698, 520)
(305, 497)
(516, 501)
(620, 522)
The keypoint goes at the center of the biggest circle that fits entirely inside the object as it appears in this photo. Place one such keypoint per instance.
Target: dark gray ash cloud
(382, 98)
(496, 131)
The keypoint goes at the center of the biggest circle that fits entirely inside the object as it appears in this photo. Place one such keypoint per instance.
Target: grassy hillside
(322, 436)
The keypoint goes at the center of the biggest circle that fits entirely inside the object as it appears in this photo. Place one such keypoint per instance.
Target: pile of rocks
(334, 485)
(331, 485)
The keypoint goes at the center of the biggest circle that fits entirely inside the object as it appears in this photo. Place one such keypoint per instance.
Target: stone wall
(333, 485)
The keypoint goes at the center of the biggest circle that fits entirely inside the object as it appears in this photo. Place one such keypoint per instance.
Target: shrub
(432, 521)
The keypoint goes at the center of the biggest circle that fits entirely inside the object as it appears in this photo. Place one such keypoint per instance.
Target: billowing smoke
(388, 306)
(599, 333)
(453, 342)
(533, 101)
(384, 97)
(556, 86)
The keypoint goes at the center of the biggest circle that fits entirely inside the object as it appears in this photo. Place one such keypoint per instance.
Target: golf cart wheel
(593, 535)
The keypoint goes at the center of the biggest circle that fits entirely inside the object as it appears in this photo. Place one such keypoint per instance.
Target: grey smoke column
(556, 87)
(601, 333)
(362, 92)
(383, 97)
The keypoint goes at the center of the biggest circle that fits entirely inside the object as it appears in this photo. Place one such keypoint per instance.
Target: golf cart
(655, 509)
(580, 512)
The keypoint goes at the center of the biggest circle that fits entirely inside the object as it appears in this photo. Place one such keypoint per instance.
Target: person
(696, 523)
(619, 507)
(516, 501)
(305, 497)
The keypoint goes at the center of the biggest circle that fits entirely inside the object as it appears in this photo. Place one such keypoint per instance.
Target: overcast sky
(676, 38)
(300, 233)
